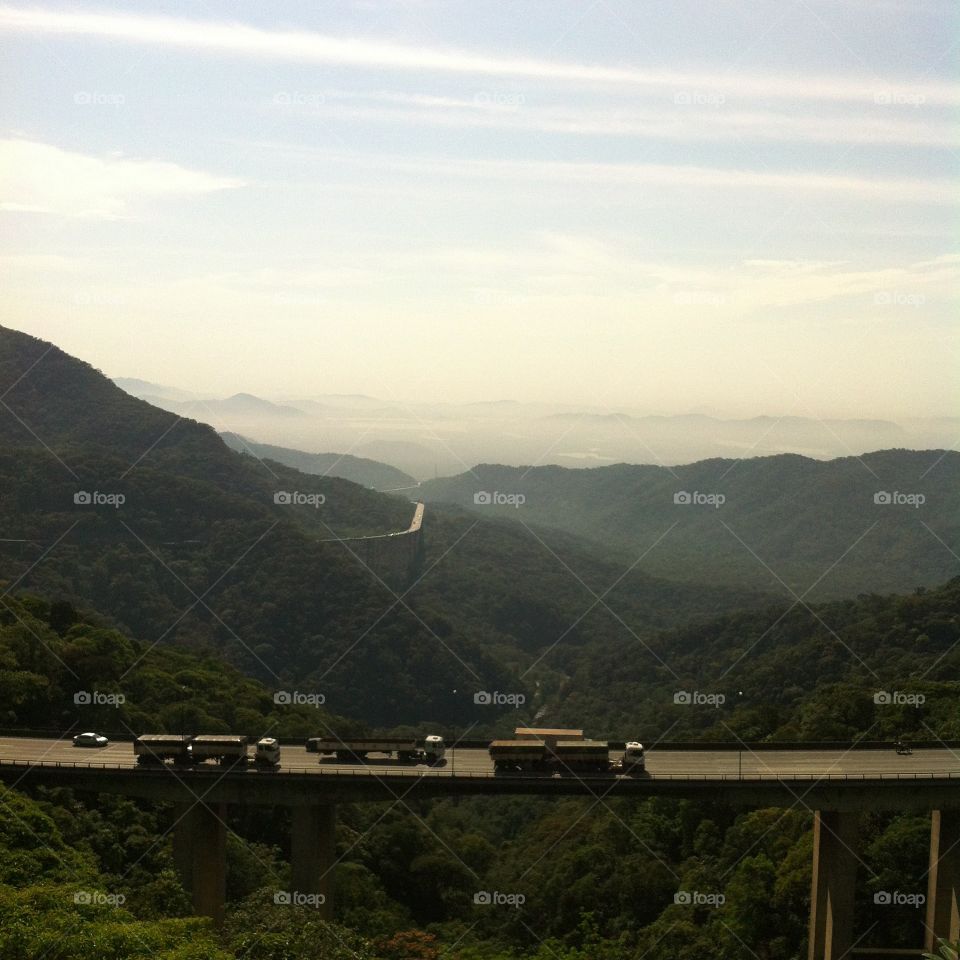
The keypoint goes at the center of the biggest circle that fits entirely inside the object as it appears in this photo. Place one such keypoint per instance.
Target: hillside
(199, 555)
(786, 673)
(811, 524)
(368, 473)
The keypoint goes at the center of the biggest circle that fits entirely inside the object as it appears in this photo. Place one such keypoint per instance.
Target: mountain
(680, 439)
(240, 405)
(368, 473)
(143, 389)
(790, 672)
(780, 523)
(109, 502)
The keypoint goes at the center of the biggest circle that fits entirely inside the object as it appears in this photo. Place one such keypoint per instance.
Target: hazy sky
(746, 206)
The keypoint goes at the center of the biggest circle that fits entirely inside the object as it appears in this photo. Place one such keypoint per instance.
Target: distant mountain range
(884, 521)
(368, 473)
(427, 440)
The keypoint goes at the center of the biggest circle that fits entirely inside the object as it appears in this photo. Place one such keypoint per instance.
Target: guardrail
(219, 771)
(725, 746)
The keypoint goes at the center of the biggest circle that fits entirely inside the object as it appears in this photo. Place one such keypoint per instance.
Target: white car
(90, 739)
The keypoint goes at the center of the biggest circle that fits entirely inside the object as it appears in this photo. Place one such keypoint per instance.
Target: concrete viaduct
(838, 789)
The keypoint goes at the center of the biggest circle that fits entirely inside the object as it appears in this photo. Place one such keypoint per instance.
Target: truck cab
(267, 753)
(434, 749)
(633, 758)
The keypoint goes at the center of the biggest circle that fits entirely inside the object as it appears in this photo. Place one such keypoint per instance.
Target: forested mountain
(198, 554)
(791, 672)
(368, 473)
(883, 521)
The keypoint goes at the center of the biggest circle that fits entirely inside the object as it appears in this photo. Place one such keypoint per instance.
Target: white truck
(633, 759)
(267, 753)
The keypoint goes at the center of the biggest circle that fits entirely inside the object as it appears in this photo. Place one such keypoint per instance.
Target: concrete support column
(313, 852)
(943, 879)
(832, 888)
(200, 855)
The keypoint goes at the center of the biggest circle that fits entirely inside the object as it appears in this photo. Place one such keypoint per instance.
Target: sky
(747, 206)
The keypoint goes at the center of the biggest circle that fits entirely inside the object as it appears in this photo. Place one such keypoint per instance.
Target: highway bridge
(835, 784)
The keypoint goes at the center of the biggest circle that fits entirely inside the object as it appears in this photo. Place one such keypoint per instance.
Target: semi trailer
(572, 757)
(430, 750)
(225, 749)
(160, 747)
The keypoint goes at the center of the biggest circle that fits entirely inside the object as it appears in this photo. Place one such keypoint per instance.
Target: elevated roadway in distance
(835, 779)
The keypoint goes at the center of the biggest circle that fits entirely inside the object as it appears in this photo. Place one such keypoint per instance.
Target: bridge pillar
(313, 852)
(832, 886)
(943, 879)
(200, 855)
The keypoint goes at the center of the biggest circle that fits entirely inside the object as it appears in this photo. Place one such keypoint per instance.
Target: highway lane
(667, 763)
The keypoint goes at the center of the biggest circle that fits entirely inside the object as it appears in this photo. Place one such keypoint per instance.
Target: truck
(566, 757)
(227, 749)
(152, 748)
(519, 755)
(405, 749)
(582, 756)
(267, 753)
(633, 758)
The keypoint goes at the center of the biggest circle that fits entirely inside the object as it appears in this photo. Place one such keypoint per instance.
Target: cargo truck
(563, 757)
(160, 747)
(227, 749)
(405, 749)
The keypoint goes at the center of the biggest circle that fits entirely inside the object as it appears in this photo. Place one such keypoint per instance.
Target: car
(90, 739)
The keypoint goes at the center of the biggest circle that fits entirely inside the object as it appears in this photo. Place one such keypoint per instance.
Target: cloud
(310, 46)
(663, 119)
(428, 169)
(41, 178)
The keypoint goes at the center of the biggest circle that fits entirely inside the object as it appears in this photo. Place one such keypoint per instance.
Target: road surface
(695, 764)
